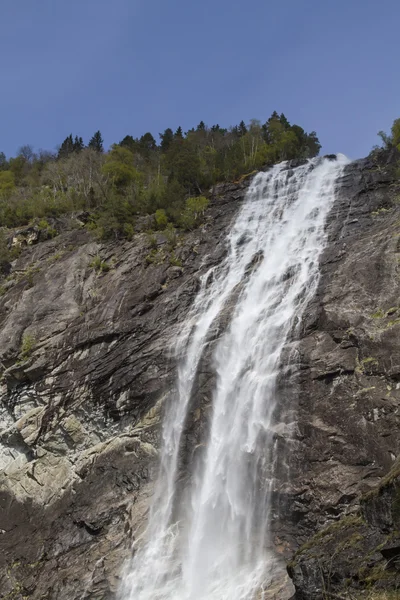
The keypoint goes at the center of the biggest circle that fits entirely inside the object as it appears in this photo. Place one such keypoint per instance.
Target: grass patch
(380, 211)
(175, 261)
(55, 257)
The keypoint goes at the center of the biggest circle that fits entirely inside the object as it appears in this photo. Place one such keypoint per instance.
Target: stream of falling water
(214, 545)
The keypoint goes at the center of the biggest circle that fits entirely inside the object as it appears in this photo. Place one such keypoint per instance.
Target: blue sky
(131, 66)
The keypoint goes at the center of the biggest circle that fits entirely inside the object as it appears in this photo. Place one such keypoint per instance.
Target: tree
(242, 129)
(313, 144)
(392, 140)
(201, 126)
(147, 144)
(78, 144)
(396, 133)
(96, 142)
(166, 139)
(7, 184)
(3, 162)
(273, 129)
(284, 121)
(173, 200)
(183, 162)
(128, 142)
(179, 133)
(119, 166)
(19, 167)
(27, 153)
(66, 148)
(194, 209)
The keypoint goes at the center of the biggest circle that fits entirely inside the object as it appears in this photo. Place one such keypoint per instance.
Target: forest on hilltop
(140, 176)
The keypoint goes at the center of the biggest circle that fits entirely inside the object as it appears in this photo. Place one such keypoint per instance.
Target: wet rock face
(87, 332)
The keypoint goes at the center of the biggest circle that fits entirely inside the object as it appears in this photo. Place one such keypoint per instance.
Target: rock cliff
(86, 338)
(347, 416)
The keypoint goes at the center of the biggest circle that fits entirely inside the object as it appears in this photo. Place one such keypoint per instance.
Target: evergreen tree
(78, 144)
(284, 121)
(66, 148)
(3, 162)
(96, 142)
(166, 139)
(128, 142)
(147, 143)
(201, 126)
(179, 133)
(242, 129)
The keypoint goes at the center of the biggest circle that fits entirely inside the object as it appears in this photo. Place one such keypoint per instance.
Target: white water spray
(214, 546)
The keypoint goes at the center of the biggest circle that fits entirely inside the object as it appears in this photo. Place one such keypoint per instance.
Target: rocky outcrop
(355, 553)
(87, 332)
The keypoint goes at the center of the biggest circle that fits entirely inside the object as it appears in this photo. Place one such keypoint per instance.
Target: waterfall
(211, 543)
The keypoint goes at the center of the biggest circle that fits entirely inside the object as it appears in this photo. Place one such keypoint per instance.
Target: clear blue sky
(131, 66)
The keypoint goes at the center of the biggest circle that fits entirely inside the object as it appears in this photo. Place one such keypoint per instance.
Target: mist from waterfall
(212, 542)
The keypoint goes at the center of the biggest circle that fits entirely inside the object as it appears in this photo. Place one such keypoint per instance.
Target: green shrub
(161, 218)
(49, 231)
(197, 205)
(170, 234)
(27, 346)
(152, 240)
(194, 210)
(175, 261)
(43, 224)
(99, 265)
(129, 231)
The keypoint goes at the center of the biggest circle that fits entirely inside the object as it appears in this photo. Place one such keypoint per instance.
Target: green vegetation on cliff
(138, 176)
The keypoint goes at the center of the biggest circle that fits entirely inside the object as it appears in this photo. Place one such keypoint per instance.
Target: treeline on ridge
(139, 177)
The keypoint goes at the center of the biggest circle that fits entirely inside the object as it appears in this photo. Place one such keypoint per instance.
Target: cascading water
(214, 546)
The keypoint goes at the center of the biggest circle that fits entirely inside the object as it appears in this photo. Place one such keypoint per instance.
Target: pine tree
(201, 126)
(147, 142)
(284, 121)
(179, 133)
(166, 139)
(242, 129)
(78, 144)
(128, 142)
(96, 142)
(66, 148)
